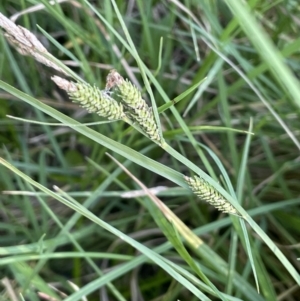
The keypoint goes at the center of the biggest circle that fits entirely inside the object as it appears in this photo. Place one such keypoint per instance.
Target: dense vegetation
(98, 208)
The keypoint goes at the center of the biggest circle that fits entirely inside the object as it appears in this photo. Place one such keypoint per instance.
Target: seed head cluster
(129, 106)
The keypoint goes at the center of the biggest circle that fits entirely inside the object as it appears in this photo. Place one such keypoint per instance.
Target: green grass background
(222, 77)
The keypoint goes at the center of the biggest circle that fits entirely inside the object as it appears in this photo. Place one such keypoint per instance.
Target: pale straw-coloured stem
(26, 43)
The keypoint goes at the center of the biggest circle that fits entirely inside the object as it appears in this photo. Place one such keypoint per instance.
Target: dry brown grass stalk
(26, 43)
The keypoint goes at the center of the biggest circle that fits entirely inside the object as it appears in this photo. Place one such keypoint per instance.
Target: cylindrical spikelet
(131, 95)
(208, 193)
(144, 117)
(137, 107)
(91, 98)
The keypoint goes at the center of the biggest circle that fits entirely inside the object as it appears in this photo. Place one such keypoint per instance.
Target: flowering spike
(207, 192)
(137, 107)
(91, 98)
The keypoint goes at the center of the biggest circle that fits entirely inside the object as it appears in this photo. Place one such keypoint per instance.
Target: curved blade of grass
(59, 46)
(205, 128)
(24, 272)
(214, 70)
(266, 48)
(57, 124)
(180, 97)
(60, 255)
(240, 185)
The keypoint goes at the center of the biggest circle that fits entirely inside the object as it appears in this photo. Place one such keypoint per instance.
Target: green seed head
(134, 104)
(91, 98)
(208, 193)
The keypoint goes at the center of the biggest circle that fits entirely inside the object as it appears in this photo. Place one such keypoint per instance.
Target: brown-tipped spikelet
(91, 98)
(113, 79)
(208, 193)
(137, 108)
